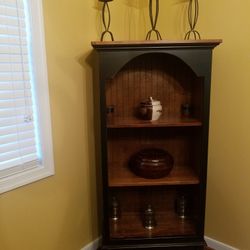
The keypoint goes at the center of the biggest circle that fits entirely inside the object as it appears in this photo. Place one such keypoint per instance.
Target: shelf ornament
(149, 218)
(106, 20)
(153, 20)
(193, 14)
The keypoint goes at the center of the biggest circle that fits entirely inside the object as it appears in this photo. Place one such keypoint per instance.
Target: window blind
(17, 128)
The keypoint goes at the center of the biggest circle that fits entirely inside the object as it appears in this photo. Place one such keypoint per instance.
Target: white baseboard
(93, 245)
(216, 245)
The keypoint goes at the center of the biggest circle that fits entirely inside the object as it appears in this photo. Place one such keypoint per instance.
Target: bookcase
(166, 212)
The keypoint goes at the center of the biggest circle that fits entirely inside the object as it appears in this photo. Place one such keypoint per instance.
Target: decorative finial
(106, 21)
(193, 14)
(153, 20)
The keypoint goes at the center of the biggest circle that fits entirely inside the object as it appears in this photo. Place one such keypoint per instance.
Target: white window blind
(18, 139)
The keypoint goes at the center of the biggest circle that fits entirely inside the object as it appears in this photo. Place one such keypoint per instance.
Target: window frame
(25, 176)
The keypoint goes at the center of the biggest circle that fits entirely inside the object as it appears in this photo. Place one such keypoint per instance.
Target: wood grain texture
(124, 177)
(120, 122)
(178, 142)
(157, 76)
(134, 201)
(168, 224)
(158, 43)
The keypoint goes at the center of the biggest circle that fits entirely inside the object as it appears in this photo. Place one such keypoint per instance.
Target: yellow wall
(60, 212)
(228, 203)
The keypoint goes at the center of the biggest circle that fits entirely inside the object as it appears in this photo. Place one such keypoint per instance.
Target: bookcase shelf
(124, 177)
(121, 122)
(168, 224)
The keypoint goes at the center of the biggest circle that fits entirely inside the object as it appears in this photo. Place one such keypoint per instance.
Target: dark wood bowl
(151, 163)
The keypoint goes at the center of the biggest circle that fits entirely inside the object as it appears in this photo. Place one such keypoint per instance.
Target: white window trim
(28, 175)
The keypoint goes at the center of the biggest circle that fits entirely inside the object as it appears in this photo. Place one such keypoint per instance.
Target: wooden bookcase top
(155, 43)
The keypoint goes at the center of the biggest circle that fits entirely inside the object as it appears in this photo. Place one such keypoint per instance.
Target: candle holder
(115, 209)
(106, 20)
(193, 14)
(182, 206)
(153, 20)
(149, 221)
(186, 109)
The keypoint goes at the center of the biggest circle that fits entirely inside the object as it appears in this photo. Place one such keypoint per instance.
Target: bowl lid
(153, 155)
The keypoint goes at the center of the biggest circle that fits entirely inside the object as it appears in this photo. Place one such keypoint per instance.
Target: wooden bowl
(151, 163)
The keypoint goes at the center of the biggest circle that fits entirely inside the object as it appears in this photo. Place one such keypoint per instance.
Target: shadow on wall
(135, 18)
(89, 63)
(98, 9)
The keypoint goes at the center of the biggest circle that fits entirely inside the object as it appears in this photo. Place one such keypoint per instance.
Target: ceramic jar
(150, 109)
(151, 163)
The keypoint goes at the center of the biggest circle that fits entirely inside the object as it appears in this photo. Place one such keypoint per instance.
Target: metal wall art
(193, 14)
(106, 20)
(153, 20)
(154, 7)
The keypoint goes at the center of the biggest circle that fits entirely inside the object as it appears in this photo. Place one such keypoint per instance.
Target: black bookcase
(178, 74)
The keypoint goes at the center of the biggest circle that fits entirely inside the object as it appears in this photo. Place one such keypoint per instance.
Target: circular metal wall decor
(153, 20)
(193, 14)
(106, 20)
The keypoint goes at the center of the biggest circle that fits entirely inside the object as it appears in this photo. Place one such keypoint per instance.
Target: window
(26, 153)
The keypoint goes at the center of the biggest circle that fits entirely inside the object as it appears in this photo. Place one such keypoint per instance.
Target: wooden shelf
(156, 43)
(162, 122)
(124, 177)
(168, 224)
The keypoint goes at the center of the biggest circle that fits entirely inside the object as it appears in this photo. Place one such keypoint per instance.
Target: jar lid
(150, 102)
(153, 155)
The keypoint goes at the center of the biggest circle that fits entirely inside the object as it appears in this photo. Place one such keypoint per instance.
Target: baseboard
(216, 245)
(93, 245)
